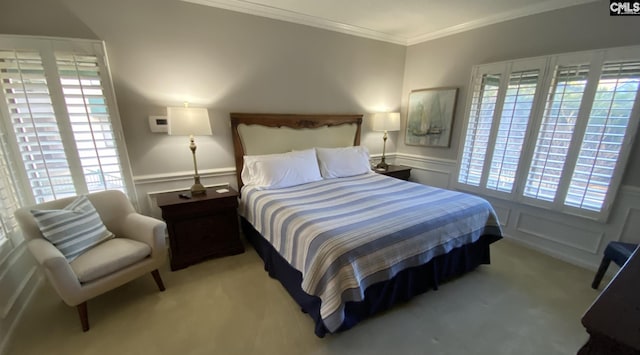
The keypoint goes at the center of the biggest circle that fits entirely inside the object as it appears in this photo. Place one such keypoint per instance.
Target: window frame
(47, 48)
(548, 65)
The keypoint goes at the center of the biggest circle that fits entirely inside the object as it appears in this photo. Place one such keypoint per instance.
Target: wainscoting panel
(428, 171)
(503, 215)
(573, 239)
(630, 233)
(148, 186)
(19, 279)
(559, 232)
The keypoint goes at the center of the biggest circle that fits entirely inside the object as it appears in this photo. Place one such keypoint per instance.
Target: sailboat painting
(430, 117)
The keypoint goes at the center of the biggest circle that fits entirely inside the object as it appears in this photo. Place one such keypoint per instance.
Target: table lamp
(385, 122)
(188, 121)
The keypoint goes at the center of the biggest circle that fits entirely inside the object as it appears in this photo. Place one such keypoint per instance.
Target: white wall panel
(503, 215)
(428, 171)
(19, 278)
(560, 232)
(574, 239)
(148, 186)
(630, 232)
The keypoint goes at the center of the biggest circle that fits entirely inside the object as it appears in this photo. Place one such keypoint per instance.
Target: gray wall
(165, 52)
(447, 62)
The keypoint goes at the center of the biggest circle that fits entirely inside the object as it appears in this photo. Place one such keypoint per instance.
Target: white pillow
(343, 162)
(276, 171)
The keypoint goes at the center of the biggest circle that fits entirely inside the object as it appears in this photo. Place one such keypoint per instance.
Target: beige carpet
(523, 303)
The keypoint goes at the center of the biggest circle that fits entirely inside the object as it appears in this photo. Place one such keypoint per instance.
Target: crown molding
(533, 9)
(299, 18)
(318, 22)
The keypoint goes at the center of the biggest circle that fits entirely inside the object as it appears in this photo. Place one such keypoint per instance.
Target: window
(556, 132)
(552, 132)
(59, 121)
(604, 135)
(483, 107)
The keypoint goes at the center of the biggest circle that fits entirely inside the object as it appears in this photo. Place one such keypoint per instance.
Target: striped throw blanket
(348, 233)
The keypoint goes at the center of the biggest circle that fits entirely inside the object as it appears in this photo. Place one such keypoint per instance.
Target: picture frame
(430, 117)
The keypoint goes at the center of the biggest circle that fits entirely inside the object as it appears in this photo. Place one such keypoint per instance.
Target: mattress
(345, 235)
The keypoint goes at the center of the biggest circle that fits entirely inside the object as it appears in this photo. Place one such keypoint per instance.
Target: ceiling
(403, 22)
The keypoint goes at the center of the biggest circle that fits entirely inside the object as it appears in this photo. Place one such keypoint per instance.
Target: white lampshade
(185, 121)
(386, 121)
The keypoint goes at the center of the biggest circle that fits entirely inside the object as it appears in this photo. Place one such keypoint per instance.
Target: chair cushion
(73, 229)
(109, 257)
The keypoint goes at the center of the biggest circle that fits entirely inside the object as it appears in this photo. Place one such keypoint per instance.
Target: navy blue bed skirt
(380, 296)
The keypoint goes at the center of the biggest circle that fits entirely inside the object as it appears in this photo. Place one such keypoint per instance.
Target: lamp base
(197, 188)
(382, 165)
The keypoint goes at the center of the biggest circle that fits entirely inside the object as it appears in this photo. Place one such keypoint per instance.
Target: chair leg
(156, 276)
(601, 270)
(84, 315)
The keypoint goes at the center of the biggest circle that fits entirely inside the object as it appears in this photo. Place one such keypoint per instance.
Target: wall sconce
(187, 121)
(385, 122)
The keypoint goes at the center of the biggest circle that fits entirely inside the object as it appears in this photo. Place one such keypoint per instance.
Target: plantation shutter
(483, 106)
(80, 77)
(61, 131)
(512, 130)
(34, 123)
(605, 134)
(497, 129)
(556, 132)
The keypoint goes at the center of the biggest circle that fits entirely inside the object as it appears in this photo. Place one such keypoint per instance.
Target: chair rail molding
(147, 186)
(181, 176)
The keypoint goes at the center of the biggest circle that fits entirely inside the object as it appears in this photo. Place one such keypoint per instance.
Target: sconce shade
(186, 121)
(386, 121)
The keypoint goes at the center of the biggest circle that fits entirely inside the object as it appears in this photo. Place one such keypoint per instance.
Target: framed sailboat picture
(430, 117)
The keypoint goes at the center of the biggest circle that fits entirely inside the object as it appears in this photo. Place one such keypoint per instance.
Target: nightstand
(201, 227)
(397, 171)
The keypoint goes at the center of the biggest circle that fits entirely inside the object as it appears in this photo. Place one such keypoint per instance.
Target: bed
(348, 247)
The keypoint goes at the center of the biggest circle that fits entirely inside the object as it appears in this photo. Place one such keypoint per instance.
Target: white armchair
(138, 248)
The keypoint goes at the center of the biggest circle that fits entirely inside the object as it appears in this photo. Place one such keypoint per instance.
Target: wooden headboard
(269, 133)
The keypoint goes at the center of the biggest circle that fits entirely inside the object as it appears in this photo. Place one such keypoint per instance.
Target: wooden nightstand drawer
(201, 227)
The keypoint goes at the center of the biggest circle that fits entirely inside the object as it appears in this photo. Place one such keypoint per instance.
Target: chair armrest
(57, 269)
(147, 230)
(46, 254)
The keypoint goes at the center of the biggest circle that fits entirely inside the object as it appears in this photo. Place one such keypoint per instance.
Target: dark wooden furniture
(613, 320)
(397, 171)
(202, 226)
(619, 253)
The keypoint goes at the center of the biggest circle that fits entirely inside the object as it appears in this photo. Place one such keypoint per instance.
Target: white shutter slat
(40, 145)
(556, 131)
(582, 108)
(90, 121)
(606, 130)
(32, 119)
(512, 130)
(485, 93)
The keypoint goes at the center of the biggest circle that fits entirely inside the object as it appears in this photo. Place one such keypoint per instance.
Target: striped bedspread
(348, 233)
